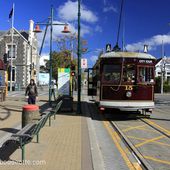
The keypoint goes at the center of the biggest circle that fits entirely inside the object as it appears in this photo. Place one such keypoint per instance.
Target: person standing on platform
(31, 92)
(53, 90)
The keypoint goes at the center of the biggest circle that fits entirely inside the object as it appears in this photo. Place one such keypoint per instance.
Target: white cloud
(109, 8)
(93, 58)
(42, 58)
(104, 2)
(57, 32)
(69, 10)
(153, 42)
(98, 28)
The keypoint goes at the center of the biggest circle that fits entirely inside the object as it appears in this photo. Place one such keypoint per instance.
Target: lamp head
(37, 29)
(66, 29)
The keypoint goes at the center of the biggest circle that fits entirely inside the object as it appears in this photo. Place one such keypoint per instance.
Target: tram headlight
(128, 94)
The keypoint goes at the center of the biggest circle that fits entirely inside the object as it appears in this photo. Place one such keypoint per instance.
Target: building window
(13, 73)
(10, 52)
(168, 73)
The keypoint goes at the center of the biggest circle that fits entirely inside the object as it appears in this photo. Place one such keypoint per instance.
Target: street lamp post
(50, 23)
(162, 69)
(79, 66)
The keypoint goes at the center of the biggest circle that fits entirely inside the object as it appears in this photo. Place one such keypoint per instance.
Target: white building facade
(163, 68)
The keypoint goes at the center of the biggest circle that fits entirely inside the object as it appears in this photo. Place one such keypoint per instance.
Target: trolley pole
(79, 66)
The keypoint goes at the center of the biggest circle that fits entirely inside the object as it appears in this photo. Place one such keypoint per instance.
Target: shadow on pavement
(7, 150)
(91, 110)
(7, 114)
(159, 119)
(10, 130)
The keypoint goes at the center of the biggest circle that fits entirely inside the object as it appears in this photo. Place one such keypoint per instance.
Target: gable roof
(22, 34)
(160, 60)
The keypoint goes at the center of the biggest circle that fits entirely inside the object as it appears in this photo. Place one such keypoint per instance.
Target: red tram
(123, 80)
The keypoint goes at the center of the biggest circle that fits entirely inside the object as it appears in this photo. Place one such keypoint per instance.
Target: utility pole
(51, 39)
(12, 42)
(162, 69)
(79, 66)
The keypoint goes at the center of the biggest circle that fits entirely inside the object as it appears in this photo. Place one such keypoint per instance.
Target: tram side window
(146, 75)
(111, 73)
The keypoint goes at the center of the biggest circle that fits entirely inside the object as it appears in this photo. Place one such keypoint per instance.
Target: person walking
(31, 92)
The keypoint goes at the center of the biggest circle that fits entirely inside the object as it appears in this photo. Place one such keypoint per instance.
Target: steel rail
(138, 156)
(155, 128)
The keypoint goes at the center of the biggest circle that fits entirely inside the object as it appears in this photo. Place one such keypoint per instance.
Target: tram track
(136, 140)
(136, 154)
(156, 127)
(132, 148)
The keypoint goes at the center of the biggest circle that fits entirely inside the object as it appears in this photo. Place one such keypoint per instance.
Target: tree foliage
(60, 59)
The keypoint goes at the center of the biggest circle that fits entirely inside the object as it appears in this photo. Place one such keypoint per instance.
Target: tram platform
(63, 146)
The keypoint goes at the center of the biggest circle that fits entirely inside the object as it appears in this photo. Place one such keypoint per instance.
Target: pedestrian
(53, 90)
(31, 92)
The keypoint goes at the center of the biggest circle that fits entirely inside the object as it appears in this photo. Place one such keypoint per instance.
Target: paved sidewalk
(60, 144)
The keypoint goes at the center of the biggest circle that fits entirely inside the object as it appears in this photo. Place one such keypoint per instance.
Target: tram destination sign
(145, 61)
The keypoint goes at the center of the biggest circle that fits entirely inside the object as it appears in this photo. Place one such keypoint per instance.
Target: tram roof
(127, 55)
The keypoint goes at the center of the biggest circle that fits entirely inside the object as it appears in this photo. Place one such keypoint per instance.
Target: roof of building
(166, 60)
(23, 33)
(2, 32)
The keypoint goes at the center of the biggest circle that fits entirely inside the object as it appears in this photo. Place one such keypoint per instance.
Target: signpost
(84, 63)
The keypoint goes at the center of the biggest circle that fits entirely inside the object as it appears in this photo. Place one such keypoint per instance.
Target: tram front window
(146, 75)
(129, 73)
(111, 73)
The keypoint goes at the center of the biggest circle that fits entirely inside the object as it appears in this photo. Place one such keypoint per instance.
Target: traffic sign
(83, 63)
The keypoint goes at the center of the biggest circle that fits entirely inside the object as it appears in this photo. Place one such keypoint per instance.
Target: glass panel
(111, 73)
(146, 75)
(13, 73)
(129, 73)
(9, 51)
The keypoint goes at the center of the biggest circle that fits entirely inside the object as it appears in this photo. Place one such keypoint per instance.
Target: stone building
(25, 58)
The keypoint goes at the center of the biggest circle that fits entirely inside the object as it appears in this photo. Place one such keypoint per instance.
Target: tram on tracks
(123, 81)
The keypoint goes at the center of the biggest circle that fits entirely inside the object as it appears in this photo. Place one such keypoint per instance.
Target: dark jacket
(31, 90)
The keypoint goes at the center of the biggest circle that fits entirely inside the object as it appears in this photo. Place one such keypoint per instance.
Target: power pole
(79, 66)
(162, 69)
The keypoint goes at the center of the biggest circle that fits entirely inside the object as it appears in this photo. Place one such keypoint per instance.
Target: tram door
(92, 82)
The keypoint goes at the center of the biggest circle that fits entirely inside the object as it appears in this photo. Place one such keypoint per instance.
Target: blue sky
(145, 22)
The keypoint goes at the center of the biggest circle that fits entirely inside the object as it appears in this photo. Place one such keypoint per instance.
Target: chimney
(31, 33)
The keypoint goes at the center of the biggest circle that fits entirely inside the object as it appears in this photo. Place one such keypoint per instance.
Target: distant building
(163, 66)
(43, 78)
(25, 62)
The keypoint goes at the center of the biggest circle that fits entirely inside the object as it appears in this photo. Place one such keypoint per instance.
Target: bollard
(30, 114)
(67, 105)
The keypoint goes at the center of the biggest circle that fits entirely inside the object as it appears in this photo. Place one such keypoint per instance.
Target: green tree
(60, 59)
